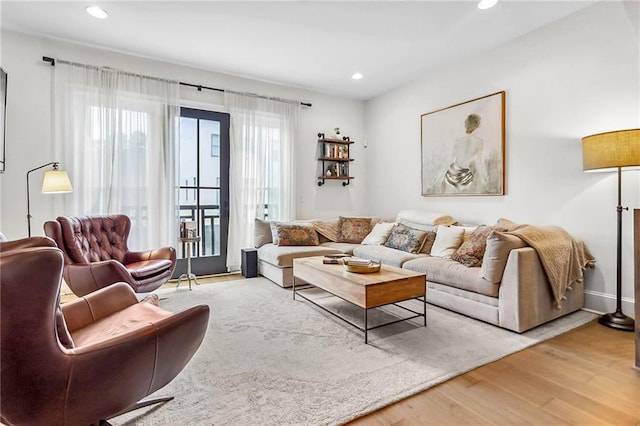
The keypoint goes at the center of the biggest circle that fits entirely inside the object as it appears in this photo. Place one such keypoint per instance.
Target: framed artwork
(3, 117)
(462, 148)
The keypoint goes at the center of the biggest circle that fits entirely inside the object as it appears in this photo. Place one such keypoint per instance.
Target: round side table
(188, 276)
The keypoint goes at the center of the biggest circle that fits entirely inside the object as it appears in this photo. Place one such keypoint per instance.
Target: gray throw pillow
(262, 233)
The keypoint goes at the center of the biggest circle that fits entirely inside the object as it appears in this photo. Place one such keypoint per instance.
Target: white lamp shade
(56, 182)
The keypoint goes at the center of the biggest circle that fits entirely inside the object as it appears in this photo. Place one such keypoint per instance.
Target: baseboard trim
(608, 296)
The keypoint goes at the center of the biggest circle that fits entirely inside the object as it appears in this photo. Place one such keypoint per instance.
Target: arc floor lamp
(54, 182)
(612, 151)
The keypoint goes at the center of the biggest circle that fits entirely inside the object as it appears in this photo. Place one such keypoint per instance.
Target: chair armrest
(84, 278)
(81, 312)
(168, 253)
(156, 352)
(27, 243)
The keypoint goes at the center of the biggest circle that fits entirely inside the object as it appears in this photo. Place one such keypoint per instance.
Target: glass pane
(210, 216)
(209, 153)
(188, 159)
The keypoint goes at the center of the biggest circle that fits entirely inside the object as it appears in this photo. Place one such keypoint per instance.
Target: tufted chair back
(94, 238)
(96, 254)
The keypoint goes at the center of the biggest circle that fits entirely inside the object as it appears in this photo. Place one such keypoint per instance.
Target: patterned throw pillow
(294, 234)
(406, 239)
(471, 252)
(353, 229)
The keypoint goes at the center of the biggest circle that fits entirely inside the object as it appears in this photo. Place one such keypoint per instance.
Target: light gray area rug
(270, 360)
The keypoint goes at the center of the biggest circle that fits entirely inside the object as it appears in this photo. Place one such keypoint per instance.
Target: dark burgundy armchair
(96, 254)
(57, 361)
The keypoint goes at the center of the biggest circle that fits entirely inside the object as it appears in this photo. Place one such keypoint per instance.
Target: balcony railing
(207, 216)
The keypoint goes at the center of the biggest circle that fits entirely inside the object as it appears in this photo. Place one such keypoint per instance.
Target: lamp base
(617, 320)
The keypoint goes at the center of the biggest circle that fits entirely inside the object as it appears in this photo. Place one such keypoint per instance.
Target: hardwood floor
(583, 377)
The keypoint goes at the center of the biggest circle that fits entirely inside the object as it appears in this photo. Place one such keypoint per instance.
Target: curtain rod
(52, 62)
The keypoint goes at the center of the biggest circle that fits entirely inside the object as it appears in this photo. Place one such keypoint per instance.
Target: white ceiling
(315, 45)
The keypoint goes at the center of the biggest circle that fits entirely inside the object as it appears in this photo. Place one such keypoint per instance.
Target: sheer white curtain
(262, 135)
(117, 133)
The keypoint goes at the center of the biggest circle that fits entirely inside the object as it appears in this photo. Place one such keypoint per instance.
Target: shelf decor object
(54, 182)
(334, 159)
(613, 151)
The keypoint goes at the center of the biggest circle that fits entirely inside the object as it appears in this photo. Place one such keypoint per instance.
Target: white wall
(573, 78)
(30, 144)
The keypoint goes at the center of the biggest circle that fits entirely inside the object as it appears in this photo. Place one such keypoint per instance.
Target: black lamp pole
(55, 167)
(617, 319)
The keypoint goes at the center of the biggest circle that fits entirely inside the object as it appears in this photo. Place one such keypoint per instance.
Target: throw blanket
(563, 258)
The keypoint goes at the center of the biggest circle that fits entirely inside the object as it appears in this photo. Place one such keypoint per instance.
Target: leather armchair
(62, 372)
(6, 245)
(96, 254)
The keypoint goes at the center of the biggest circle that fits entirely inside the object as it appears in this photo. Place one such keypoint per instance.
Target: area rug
(270, 360)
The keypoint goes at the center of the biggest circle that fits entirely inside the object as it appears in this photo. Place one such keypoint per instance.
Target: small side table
(188, 276)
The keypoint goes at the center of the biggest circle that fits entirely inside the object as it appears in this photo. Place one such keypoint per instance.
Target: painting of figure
(463, 148)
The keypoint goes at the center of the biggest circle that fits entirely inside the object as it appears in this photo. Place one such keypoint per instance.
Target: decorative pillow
(471, 252)
(378, 234)
(327, 228)
(295, 234)
(448, 239)
(406, 239)
(353, 229)
(499, 246)
(428, 241)
(261, 233)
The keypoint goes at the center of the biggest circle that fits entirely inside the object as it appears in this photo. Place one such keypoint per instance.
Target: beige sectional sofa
(510, 289)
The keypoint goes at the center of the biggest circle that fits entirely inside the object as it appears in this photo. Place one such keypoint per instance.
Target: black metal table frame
(366, 327)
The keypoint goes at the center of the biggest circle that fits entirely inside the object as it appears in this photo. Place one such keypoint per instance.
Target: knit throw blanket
(563, 258)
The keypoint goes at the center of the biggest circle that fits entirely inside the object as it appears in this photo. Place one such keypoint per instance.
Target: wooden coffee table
(388, 286)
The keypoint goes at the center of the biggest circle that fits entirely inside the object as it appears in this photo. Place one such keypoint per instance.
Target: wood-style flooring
(583, 377)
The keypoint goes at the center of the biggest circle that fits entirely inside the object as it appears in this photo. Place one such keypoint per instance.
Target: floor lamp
(608, 152)
(54, 182)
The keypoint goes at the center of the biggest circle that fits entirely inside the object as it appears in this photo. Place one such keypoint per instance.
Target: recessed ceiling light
(97, 12)
(487, 4)
(357, 76)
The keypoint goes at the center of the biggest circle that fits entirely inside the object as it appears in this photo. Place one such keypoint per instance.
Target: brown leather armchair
(64, 374)
(96, 254)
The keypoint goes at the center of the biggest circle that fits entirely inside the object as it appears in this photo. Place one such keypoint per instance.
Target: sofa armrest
(84, 278)
(525, 296)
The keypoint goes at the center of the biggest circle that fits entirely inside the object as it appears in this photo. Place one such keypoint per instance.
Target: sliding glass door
(204, 188)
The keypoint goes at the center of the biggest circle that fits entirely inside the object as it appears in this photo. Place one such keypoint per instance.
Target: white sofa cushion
(454, 274)
(386, 255)
(283, 256)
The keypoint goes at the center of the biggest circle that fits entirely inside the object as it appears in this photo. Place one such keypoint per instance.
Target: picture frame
(463, 148)
(3, 119)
